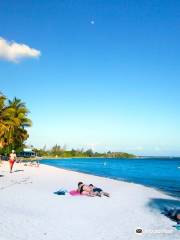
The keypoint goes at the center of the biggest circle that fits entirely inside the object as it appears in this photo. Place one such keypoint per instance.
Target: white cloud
(14, 52)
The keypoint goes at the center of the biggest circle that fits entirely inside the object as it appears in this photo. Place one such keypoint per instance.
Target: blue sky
(108, 73)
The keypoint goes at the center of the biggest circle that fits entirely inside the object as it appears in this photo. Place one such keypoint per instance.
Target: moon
(92, 22)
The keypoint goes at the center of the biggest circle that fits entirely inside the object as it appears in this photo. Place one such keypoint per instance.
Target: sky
(95, 74)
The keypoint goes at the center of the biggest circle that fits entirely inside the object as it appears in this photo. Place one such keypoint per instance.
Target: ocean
(160, 173)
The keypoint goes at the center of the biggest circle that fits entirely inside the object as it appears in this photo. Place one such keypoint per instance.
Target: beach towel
(74, 193)
(63, 191)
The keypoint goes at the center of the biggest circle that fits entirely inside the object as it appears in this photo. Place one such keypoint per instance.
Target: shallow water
(160, 173)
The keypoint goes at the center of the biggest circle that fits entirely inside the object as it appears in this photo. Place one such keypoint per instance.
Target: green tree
(89, 153)
(6, 122)
(13, 121)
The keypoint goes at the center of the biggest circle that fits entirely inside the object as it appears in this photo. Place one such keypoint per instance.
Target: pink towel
(74, 193)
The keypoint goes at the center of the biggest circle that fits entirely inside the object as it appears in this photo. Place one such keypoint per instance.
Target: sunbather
(98, 191)
(91, 190)
(85, 190)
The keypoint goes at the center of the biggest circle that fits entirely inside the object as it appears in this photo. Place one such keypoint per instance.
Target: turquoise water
(160, 173)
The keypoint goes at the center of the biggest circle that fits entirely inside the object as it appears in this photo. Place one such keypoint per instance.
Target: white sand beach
(29, 210)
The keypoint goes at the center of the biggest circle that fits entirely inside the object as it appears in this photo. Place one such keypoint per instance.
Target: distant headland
(59, 152)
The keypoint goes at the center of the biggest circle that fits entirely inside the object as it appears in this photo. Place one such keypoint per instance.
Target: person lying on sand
(85, 190)
(91, 190)
(98, 191)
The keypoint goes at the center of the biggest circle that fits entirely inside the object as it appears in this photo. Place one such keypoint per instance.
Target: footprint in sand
(12, 183)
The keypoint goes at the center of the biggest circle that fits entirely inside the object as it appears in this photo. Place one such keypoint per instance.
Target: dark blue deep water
(160, 173)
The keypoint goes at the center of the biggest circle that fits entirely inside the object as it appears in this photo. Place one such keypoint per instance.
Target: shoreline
(44, 215)
(111, 178)
(165, 191)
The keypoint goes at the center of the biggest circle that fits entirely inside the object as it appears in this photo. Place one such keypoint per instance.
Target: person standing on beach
(12, 159)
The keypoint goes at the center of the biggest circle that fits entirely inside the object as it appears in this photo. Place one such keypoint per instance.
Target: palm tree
(20, 120)
(5, 120)
(13, 120)
(20, 113)
(2, 127)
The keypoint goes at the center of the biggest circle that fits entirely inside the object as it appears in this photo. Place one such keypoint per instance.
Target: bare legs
(11, 163)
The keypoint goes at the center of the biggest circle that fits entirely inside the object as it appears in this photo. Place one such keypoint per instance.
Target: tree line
(58, 151)
(13, 122)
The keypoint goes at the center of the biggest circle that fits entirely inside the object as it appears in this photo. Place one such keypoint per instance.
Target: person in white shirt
(12, 159)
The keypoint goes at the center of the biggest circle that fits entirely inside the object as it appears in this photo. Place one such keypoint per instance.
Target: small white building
(27, 153)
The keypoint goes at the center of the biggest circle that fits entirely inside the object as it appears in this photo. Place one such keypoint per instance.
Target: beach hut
(27, 153)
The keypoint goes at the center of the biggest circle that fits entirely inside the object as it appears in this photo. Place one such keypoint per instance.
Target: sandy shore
(29, 210)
